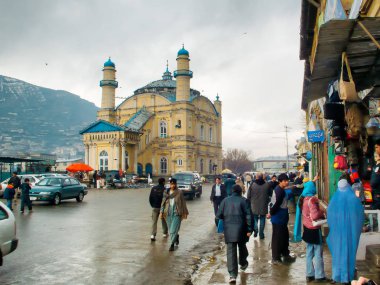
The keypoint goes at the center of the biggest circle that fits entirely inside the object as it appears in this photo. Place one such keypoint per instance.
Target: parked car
(33, 179)
(58, 188)
(8, 240)
(190, 183)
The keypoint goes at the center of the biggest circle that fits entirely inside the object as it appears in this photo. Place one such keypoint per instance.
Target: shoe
(262, 237)
(322, 280)
(153, 238)
(254, 234)
(289, 259)
(171, 248)
(276, 262)
(232, 280)
(332, 282)
(244, 267)
(164, 235)
(310, 278)
(177, 240)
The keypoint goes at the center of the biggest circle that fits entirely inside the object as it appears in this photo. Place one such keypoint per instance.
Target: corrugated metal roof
(138, 120)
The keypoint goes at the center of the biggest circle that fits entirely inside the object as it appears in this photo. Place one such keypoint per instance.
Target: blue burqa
(308, 191)
(345, 217)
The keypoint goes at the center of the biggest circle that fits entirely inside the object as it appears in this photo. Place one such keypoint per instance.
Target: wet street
(105, 240)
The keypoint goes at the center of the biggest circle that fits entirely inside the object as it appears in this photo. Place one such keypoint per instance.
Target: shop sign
(315, 136)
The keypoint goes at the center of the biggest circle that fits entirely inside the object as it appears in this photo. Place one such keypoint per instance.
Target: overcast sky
(244, 50)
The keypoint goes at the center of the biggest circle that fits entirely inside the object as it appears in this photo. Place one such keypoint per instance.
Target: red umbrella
(79, 167)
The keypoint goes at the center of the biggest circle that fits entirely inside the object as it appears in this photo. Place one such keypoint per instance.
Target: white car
(8, 240)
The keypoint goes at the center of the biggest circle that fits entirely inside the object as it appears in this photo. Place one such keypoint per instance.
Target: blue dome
(109, 63)
(182, 51)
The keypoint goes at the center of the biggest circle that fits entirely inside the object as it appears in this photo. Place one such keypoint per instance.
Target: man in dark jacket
(237, 229)
(15, 180)
(375, 179)
(229, 183)
(25, 198)
(259, 194)
(218, 193)
(155, 199)
(273, 183)
(279, 217)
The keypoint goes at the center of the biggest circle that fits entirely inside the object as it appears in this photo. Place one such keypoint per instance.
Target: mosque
(163, 128)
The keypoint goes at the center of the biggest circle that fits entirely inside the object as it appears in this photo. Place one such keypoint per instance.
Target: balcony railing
(183, 72)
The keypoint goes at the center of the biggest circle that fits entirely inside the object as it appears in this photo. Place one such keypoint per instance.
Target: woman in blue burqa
(345, 217)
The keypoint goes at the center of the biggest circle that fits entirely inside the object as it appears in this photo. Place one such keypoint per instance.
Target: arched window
(163, 165)
(179, 162)
(210, 134)
(103, 160)
(210, 167)
(126, 160)
(163, 129)
(202, 135)
(201, 165)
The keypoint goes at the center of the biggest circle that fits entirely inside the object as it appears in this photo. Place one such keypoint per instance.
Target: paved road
(104, 240)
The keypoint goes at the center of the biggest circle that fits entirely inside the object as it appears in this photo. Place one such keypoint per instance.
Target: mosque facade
(163, 128)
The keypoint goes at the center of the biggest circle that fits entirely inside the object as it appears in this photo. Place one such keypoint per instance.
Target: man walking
(218, 193)
(155, 199)
(237, 229)
(279, 217)
(259, 194)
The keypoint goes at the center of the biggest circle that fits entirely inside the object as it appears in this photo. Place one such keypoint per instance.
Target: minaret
(108, 84)
(183, 75)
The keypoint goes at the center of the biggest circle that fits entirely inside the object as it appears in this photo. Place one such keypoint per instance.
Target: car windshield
(183, 178)
(50, 182)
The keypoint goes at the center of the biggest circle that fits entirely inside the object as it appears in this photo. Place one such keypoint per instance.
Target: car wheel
(80, 197)
(57, 199)
(1, 258)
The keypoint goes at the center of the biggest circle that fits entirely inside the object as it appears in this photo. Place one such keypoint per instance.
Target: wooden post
(369, 34)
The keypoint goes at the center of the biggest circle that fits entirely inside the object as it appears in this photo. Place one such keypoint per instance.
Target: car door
(76, 187)
(66, 188)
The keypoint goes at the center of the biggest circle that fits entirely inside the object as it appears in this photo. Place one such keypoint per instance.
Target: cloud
(247, 51)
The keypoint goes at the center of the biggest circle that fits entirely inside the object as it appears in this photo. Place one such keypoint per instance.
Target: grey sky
(245, 50)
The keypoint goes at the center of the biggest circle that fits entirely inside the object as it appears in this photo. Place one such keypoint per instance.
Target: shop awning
(335, 37)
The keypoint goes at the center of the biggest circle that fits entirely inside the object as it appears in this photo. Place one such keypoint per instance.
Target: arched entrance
(148, 169)
(139, 169)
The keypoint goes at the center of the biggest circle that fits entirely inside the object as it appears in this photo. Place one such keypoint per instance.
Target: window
(179, 162)
(74, 181)
(202, 132)
(210, 134)
(201, 165)
(163, 165)
(103, 160)
(3, 214)
(163, 129)
(210, 167)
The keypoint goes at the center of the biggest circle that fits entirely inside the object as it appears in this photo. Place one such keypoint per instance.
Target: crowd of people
(242, 209)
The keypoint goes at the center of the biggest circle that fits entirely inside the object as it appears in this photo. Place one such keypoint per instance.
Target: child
(9, 194)
(25, 199)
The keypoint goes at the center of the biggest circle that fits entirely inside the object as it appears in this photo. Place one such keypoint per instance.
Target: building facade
(163, 128)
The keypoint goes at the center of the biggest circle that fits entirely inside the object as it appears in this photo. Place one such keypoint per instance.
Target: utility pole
(287, 148)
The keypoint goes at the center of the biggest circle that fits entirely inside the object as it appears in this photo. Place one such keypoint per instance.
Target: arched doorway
(139, 169)
(103, 160)
(149, 169)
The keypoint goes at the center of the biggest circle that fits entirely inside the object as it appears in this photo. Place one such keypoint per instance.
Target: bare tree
(237, 160)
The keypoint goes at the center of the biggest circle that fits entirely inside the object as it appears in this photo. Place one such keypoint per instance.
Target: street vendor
(375, 178)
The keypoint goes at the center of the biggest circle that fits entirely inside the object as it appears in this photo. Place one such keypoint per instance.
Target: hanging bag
(347, 89)
(340, 162)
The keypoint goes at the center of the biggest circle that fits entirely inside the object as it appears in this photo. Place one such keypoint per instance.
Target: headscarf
(345, 217)
(308, 191)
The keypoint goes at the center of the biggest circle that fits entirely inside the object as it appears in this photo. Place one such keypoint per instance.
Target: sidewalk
(260, 269)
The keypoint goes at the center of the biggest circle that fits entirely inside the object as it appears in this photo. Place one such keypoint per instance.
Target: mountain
(35, 119)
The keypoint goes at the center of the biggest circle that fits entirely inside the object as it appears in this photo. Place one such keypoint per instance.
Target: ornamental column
(86, 154)
(123, 156)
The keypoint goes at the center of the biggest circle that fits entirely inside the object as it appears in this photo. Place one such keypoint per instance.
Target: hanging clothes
(345, 217)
